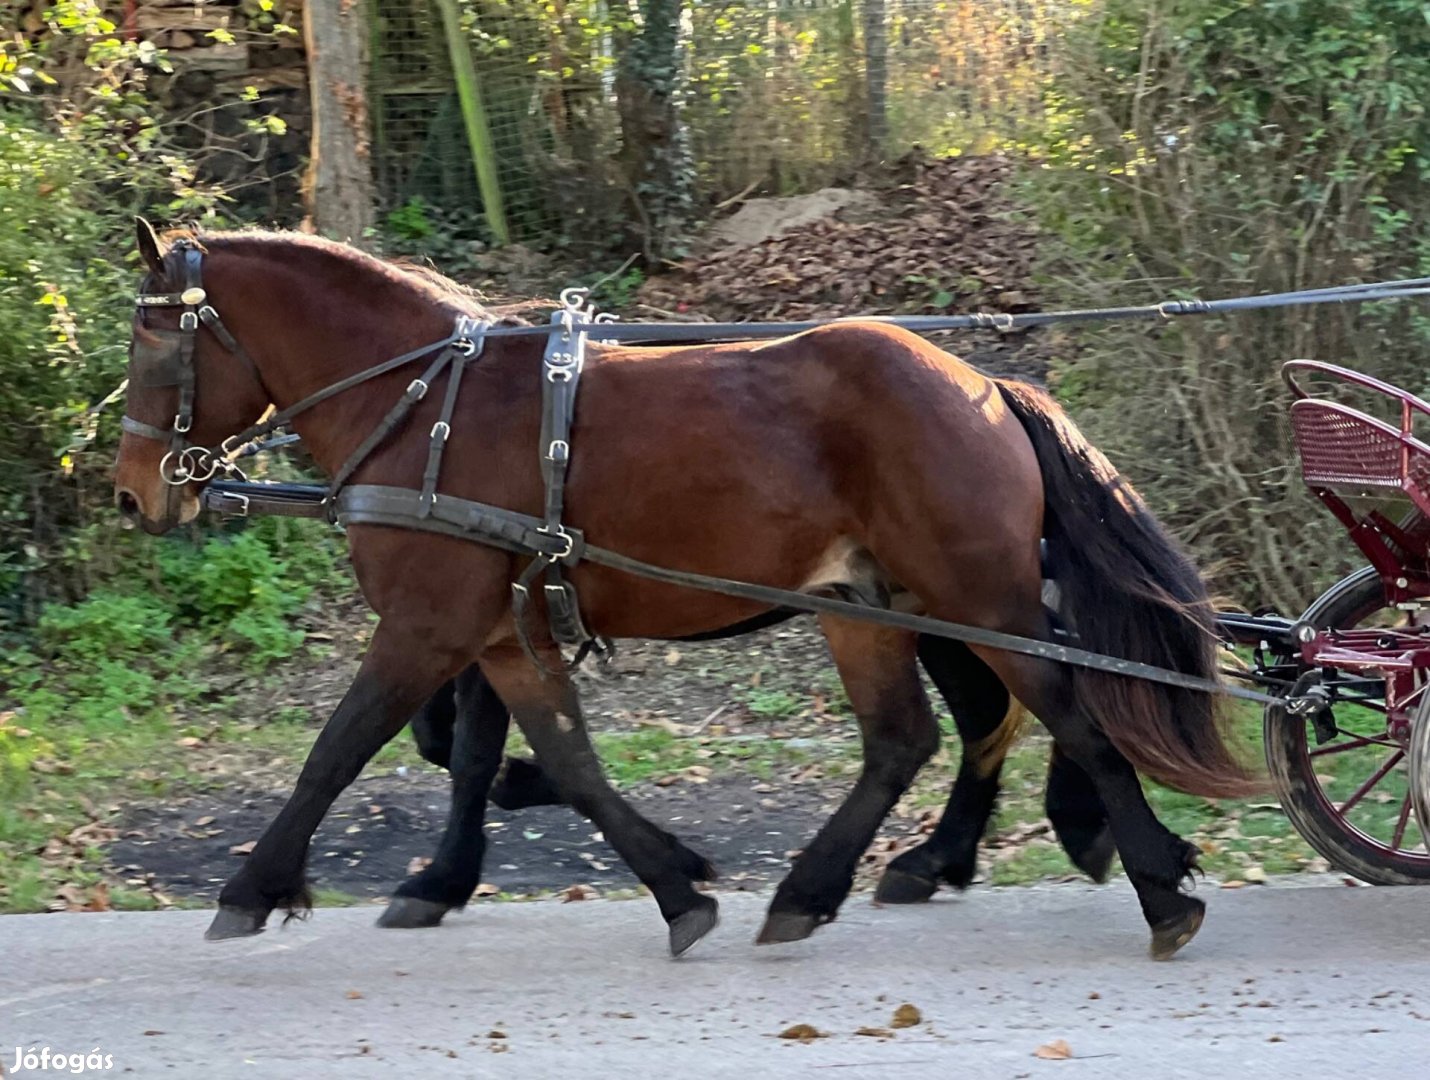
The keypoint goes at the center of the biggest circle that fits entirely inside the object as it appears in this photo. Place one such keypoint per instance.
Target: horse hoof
(1170, 936)
(782, 927)
(687, 929)
(411, 913)
(901, 887)
(235, 922)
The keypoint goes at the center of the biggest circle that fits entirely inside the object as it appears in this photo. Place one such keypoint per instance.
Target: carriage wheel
(1349, 795)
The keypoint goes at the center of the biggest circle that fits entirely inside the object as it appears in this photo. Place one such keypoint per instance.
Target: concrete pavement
(1283, 981)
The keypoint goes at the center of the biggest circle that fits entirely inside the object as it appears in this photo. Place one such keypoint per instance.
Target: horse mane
(426, 278)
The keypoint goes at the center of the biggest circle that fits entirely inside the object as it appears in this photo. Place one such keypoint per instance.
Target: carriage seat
(1349, 450)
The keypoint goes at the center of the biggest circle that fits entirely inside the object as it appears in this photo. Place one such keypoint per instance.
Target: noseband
(171, 363)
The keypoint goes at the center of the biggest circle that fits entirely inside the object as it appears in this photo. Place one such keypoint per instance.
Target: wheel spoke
(1400, 824)
(1355, 743)
(1375, 778)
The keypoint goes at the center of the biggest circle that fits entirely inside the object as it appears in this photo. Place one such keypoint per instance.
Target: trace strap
(371, 504)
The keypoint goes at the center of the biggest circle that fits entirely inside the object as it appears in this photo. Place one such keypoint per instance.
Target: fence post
(474, 117)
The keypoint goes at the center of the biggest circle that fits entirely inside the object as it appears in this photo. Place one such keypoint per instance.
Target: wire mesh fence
(779, 97)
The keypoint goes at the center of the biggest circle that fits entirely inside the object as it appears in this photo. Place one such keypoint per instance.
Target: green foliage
(74, 170)
(1223, 147)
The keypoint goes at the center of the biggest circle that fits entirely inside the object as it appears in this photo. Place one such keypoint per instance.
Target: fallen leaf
(876, 1032)
(803, 1032)
(578, 892)
(353, 995)
(1254, 874)
(153, 1031)
(1234, 883)
(188, 742)
(906, 1016)
(496, 1033)
(485, 889)
(1057, 1050)
(207, 819)
(245, 848)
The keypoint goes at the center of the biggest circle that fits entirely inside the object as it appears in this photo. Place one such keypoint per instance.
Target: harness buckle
(558, 531)
(441, 429)
(417, 389)
(559, 374)
(559, 451)
(182, 423)
(189, 322)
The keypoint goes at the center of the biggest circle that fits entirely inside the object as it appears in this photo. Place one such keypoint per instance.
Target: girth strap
(561, 369)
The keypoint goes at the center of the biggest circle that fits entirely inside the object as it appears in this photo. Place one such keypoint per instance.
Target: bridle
(171, 363)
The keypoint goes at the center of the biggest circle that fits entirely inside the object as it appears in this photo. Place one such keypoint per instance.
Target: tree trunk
(876, 68)
(338, 190)
(655, 145)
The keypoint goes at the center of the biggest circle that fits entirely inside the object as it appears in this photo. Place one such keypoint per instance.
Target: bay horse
(848, 453)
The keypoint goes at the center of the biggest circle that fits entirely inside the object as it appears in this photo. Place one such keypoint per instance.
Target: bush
(1218, 147)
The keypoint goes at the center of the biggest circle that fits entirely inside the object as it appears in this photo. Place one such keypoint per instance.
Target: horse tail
(1129, 591)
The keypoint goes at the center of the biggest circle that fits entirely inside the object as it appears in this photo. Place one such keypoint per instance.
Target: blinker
(157, 363)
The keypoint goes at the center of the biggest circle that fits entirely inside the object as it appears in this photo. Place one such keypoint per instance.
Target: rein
(552, 545)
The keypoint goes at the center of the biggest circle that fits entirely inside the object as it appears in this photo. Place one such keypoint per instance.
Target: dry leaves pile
(944, 239)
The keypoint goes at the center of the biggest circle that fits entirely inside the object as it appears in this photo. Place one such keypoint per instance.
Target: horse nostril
(128, 505)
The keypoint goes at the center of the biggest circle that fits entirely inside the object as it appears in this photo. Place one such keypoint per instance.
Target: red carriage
(1348, 749)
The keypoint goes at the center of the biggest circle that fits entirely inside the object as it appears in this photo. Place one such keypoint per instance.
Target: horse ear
(148, 246)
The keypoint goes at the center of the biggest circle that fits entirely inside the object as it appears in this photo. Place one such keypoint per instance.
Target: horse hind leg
(988, 721)
(880, 674)
(1156, 860)
(1078, 817)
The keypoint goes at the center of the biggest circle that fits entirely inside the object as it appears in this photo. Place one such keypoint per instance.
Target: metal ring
(465, 346)
(559, 374)
(181, 471)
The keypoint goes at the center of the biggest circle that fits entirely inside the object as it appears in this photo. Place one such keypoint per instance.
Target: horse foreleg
(478, 735)
(549, 714)
(394, 680)
(880, 674)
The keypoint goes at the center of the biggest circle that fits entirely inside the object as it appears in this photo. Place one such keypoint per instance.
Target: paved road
(1283, 981)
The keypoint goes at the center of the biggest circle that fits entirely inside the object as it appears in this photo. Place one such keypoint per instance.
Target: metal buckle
(559, 374)
(242, 510)
(559, 556)
(189, 322)
(558, 451)
(443, 427)
(183, 423)
(417, 387)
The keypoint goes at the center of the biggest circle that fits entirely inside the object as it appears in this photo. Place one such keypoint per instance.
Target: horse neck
(310, 318)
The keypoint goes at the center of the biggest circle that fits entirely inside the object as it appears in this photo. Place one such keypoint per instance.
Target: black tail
(1129, 591)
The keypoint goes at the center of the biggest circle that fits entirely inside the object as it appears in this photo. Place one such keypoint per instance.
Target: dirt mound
(943, 237)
